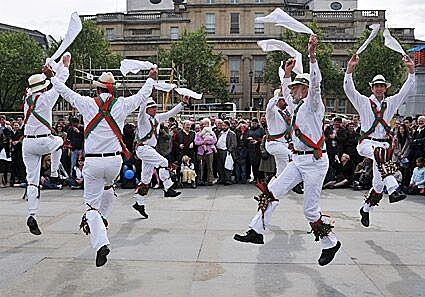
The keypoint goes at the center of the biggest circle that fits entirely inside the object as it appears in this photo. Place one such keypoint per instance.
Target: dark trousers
(224, 175)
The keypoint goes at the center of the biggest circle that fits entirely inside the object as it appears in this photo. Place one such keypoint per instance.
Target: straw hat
(301, 79)
(38, 82)
(151, 103)
(105, 78)
(379, 79)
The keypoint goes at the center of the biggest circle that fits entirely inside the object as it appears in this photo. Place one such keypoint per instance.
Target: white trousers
(366, 149)
(33, 150)
(152, 159)
(99, 172)
(312, 172)
(281, 154)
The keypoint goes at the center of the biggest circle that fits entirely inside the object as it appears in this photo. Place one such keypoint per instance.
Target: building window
(174, 33)
(341, 106)
(234, 65)
(259, 1)
(259, 69)
(258, 26)
(330, 105)
(210, 1)
(210, 23)
(234, 23)
(234, 1)
(109, 32)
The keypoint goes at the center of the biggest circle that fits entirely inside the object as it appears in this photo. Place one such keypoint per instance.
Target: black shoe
(33, 226)
(298, 189)
(141, 210)
(228, 183)
(171, 193)
(396, 196)
(328, 254)
(101, 256)
(365, 217)
(251, 236)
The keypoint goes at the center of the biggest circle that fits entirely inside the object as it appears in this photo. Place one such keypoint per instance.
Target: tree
(91, 50)
(202, 67)
(332, 75)
(378, 59)
(20, 57)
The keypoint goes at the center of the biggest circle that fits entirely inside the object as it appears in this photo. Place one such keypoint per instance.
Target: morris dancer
(278, 131)
(104, 118)
(310, 162)
(148, 127)
(375, 141)
(38, 139)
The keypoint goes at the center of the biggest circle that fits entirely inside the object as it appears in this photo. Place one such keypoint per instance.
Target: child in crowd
(417, 182)
(187, 171)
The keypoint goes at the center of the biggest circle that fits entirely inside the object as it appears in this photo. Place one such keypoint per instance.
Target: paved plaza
(185, 248)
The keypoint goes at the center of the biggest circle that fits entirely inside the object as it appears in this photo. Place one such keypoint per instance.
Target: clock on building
(336, 5)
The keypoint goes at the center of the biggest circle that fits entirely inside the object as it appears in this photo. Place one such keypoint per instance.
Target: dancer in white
(38, 139)
(375, 140)
(278, 131)
(104, 118)
(310, 162)
(148, 127)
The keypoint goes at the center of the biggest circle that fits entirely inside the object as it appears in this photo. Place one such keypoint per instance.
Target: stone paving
(185, 248)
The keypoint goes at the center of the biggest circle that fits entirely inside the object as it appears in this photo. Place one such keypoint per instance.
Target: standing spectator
(185, 142)
(254, 137)
(129, 133)
(65, 157)
(350, 143)
(18, 168)
(267, 162)
(263, 122)
(403, 141)
(75, 138)
(335, 137)
(205, 140)
(242, 153)
(20, 122)
(5, 134)
(164, 145)
(226, 143)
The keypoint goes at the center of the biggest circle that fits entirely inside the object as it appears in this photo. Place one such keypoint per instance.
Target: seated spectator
(76, 181)
(187, 172)
(45, 182)
(363, 175)
(344, 170)
(417, 182)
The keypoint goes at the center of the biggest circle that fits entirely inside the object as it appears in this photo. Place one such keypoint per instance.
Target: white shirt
(311, 113)
(102, 139)
(144, 122)
(362, 105)
(275, 122)
(44, 105)
(221, 142)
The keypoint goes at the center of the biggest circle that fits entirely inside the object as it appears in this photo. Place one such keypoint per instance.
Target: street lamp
(251, 100)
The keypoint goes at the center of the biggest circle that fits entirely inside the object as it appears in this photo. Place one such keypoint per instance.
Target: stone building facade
(231, 27)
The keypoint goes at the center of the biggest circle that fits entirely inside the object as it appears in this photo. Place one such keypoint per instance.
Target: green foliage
(199, 64)
(20, 57)
(91, 49)
(331, 74)
(378, 59)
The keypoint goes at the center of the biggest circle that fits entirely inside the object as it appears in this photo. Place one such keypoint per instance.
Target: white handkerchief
(135, 66)
(163, 86)
(281, 72)
(392, 43)
(74, 29)
(375, 30)
(283, 19)
(269, 45)
(187, 92)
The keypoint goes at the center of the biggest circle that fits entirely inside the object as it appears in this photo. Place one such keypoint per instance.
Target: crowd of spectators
(214, 151)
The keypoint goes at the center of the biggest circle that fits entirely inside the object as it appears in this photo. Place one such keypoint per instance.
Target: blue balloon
(129, 174)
